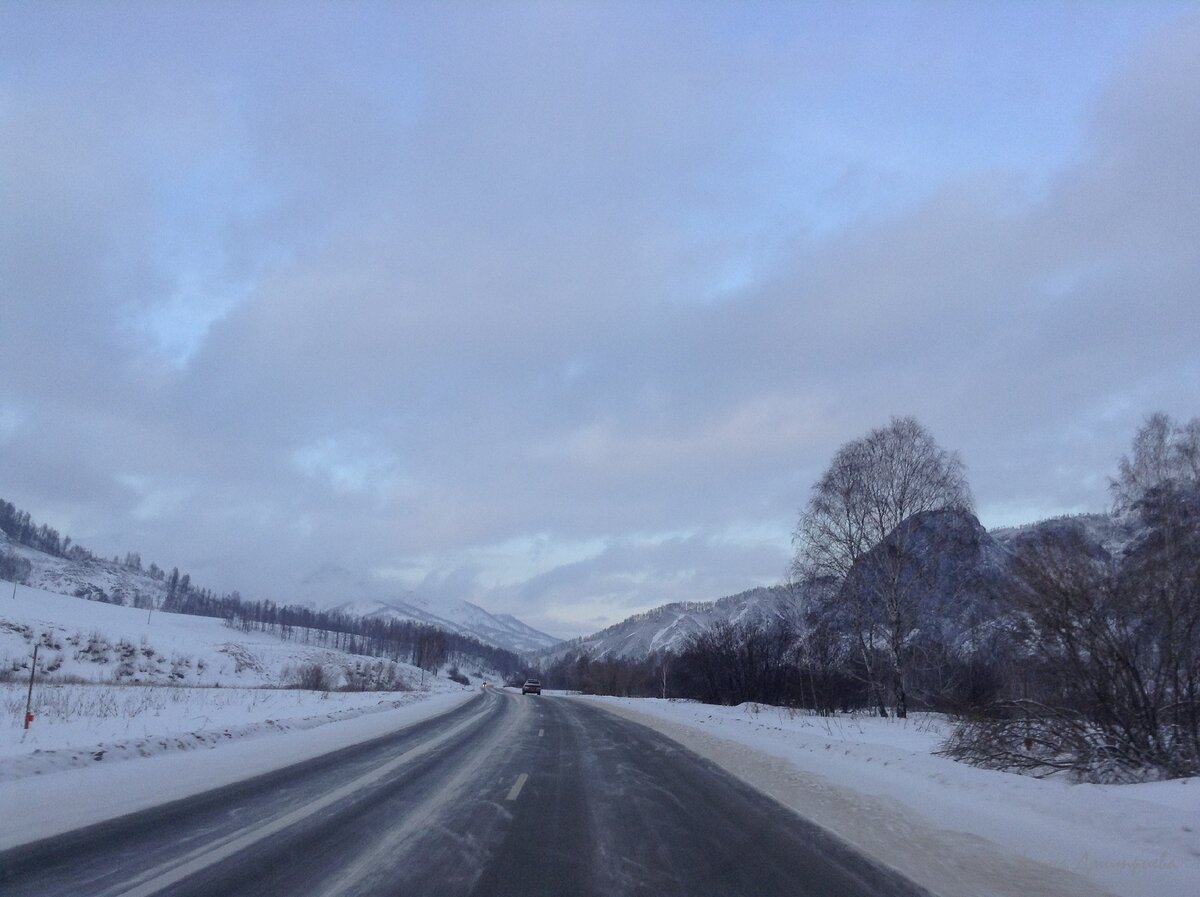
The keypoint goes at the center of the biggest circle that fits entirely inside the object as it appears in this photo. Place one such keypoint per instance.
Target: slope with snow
(109, 581)
(97, 642)
(94, 578)
(117, 683)
(463, 617)
(667, 628)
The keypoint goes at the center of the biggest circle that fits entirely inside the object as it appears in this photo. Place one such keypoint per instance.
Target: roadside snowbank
(955, 829)
(50, 799)
(83, 725)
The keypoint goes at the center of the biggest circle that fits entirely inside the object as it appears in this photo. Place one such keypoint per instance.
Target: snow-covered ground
(64, 798)
(78, 726)
(955, 829)
(101, 642)
(114, 685)
(877, 783)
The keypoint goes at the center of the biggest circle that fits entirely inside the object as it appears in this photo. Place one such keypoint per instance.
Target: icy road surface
(503, 795)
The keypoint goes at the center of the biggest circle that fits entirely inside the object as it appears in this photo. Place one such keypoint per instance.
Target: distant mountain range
(667, 628)
(99, 579)
(501, 630)
(972, 564)
(968, 566)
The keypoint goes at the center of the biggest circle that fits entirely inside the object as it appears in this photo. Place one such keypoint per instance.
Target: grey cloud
(543, 273)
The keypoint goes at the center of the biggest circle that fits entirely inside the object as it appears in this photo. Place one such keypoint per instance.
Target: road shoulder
(943, 861)
(41, 806)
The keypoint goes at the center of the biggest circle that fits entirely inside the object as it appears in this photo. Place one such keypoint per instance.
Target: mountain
(84, 576)
(962, 568)
(463, 617)
(667, 628)
(1112, 533)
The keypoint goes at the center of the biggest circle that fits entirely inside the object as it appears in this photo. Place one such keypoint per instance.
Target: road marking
(541, 732)
(517, 786)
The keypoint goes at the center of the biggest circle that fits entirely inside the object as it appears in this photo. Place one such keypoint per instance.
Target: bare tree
(872, 486)
(1111, 643)
(1165, 458)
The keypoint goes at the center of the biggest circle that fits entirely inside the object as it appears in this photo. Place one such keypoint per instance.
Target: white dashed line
(517, 786)
(541, 732)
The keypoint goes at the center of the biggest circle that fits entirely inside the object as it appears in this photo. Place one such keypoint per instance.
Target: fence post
(29, 696)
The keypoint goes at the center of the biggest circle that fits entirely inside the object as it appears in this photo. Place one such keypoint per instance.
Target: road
(506, 795)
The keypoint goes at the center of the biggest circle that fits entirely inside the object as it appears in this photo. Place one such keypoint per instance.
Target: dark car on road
(531, 687)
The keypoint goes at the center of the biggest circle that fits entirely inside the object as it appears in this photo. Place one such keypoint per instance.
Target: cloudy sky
(562, 307)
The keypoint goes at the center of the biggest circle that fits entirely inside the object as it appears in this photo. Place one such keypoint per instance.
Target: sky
(562, 308)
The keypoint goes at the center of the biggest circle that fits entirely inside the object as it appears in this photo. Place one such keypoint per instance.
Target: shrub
(14, 568)
(310, 677)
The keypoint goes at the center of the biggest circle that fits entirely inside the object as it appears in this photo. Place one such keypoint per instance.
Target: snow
(955, 829)
(101, 746)
(67, 798)
(79, 726)
(668, 627)
(101, 642)
(196, 722)
(456, 615)
(131, 586)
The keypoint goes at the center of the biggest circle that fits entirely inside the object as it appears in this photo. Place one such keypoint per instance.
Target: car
(531, 687)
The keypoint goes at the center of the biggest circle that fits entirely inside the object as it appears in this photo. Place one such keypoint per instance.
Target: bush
(1112, 665)
(310, 677)
(14, 568)
(455, 676)
(378, 676)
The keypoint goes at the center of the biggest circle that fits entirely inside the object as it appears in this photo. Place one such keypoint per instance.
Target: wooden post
(29, 696)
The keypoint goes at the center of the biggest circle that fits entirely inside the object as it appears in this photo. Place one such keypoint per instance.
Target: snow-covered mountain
(968, 566)
(1113, 533)
(109, 581)
(667, 628)
(502, 630)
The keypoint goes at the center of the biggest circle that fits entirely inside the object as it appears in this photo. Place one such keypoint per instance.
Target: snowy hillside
(667, 628)
(463, 617)
(109, 581)
(116, 683)
(87, 577)
(1113, 534)
(95, 642)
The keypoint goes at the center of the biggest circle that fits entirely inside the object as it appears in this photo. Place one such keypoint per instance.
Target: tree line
(19, 526)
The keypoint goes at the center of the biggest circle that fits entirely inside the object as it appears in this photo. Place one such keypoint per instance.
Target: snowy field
(953, 828)
(99, 642)
(83, 725)
(114, 682)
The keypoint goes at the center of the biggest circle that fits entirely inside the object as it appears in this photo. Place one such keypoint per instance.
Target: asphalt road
(506, 795)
